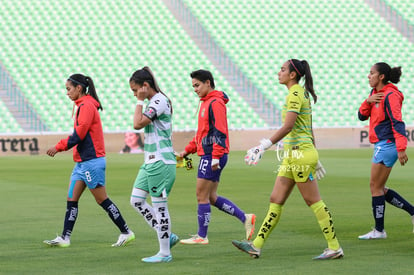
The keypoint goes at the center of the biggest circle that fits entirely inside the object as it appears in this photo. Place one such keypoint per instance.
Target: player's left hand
(215, 164)
(320, 172)
(403, 158)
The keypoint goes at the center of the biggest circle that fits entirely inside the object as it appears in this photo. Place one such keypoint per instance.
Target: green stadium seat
(344, 54)
(44, 46)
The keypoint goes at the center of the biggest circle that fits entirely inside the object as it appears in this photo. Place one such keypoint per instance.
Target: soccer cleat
(157, 259)
(249, 225)
(247, 247)
(58, 241)
(173, 240)
(329, 254)
(195, 239)
(374, 234)
(124, 239)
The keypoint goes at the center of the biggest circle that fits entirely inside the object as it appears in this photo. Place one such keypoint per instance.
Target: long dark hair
(88, 88)
(302, 68)
(390, 74)
(145, 75)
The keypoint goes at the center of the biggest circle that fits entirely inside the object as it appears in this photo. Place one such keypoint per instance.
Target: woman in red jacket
(211, 143)
(89, 154)
(387, 133)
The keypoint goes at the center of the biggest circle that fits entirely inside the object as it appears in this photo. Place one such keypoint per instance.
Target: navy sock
(395, 199)
(115, 215)
(378, 210)
(70, 218)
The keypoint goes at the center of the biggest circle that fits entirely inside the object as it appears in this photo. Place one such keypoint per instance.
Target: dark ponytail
(390, 74)
(88, 87)
(302, 68)
(146, 75)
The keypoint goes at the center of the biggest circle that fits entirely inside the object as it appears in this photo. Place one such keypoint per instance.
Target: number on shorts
(203, 165)
(88, 176)
(378, 149)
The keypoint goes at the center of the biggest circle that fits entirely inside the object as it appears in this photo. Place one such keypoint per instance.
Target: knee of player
(136, 202)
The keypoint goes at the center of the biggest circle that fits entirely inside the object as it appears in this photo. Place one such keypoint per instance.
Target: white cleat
(374, 234)
(195, 239)
(329, 254)
(58, 241)
(124, 239)
(249, 225)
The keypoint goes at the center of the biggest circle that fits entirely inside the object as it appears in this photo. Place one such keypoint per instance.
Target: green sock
(270, 222)
(325, 222)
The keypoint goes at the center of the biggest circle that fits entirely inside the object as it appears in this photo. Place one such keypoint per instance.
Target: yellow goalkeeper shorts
(299, 163)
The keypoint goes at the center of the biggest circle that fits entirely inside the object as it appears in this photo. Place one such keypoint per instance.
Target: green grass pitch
(33, 194)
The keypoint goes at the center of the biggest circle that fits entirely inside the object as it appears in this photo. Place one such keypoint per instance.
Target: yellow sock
(272, 218)
(325, 222)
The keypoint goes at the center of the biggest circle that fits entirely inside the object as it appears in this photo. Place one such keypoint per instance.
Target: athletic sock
(164, 229)
(146, 210)
(269, 223)
(378, 210)
(229, 207)
(395, 199)
(326, 224)
(70, 219)
(204, 213)
(115, 215)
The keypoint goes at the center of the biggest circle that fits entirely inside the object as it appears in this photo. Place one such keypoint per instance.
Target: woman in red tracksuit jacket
(387, 132)
(212, 144)
(89, 155)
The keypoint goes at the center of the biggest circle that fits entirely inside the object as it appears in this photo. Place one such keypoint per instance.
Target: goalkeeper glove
(188, 163)
(180, 160)
(255, 154)
(319, 171)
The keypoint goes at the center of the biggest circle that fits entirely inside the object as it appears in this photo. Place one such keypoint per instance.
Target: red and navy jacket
(385, 117)
(212, 135)
(87, 138)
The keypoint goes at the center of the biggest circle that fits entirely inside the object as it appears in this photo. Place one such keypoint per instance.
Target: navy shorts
(204, 168)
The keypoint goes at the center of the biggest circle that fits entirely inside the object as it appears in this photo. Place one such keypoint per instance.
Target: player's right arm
(82, 125)
(364, 111)
(191, 148)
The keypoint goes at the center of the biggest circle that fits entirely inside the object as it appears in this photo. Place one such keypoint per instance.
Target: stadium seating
(108, 40)
(403, 7)
(8, 124)
(48, 40)
(336, 38)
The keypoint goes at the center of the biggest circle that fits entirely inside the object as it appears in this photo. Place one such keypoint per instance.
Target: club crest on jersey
(202, 112)
(150, 111)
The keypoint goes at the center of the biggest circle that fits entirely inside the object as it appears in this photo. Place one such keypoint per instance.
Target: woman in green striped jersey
(157, 175)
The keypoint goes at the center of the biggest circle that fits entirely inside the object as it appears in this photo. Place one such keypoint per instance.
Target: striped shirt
(157, 134)
(298, 101)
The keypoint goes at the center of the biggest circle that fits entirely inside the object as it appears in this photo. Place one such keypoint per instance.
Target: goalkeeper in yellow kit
(300, 165)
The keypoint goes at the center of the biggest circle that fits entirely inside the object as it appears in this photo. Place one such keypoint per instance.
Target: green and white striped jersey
(157, 134)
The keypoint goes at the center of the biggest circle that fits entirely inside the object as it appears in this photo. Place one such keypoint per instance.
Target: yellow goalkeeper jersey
(298, 101)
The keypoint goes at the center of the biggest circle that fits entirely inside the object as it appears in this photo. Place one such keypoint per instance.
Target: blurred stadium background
(243, 43)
